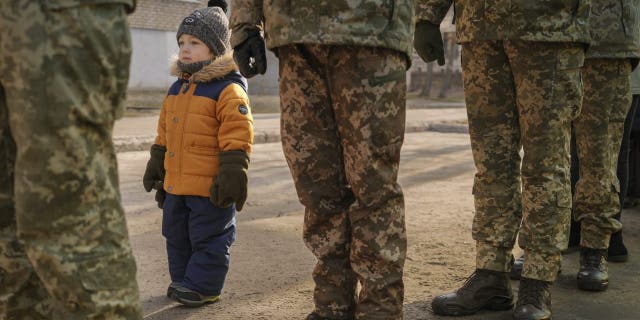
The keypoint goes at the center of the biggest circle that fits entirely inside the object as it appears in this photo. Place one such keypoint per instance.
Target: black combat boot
(617, 251)
(534, 300)
(315, 316)
(485, 289)
(516, 268)
(593, 274)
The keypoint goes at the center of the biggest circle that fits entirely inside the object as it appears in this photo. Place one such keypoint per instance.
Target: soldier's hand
(230, 185)
(428, 42)
(250, 55)
(154, 172)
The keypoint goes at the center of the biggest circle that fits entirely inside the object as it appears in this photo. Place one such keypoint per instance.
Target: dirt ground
(149, 102)
(270, 275)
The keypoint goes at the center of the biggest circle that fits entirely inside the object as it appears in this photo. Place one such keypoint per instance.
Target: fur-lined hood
(217, 69)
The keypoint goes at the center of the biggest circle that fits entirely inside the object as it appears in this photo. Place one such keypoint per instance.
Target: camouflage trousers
(521, 95)
(342, 123)
(598, 133)
(64, 246)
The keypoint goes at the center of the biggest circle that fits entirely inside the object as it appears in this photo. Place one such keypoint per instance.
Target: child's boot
(191, 298)
(171, 290)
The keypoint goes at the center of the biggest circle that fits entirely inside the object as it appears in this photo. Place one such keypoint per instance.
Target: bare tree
(426, 90)
(451, 53)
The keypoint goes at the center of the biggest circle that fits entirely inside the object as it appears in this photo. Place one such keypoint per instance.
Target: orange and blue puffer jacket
(203, 114)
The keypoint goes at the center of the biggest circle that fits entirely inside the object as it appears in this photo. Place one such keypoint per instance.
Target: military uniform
(615, 31)
(521, 70)
(342, 91)
(64, 247)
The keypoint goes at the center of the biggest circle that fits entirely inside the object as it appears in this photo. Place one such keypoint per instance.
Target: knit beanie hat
(210, 25)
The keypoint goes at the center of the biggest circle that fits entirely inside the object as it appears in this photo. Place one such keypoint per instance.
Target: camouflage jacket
(530, 20)
(377, 23)
(60, 4)
(615, 29)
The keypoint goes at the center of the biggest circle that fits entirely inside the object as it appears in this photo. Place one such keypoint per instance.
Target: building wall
(162, 14)
(153, 37)
(151, 58)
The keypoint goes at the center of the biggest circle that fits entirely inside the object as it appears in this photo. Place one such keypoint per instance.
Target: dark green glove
(428, 42)
(155, 168)
(160, 194)
(250, 55)
(230, 185)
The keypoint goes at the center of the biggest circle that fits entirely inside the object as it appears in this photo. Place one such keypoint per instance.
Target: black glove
(160, 194)
(230, 185)
(155, 168)
(250, 55)
(428, 42)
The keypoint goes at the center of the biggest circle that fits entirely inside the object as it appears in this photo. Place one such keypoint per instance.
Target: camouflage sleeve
(161, 138)
(432, 10)
(246, 16)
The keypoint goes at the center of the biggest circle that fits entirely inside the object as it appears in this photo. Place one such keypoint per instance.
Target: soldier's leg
(66, 84)
(22, 295)
(367, 87)
(311, 146)
(598, 132)
(549, 90)
(495, 143)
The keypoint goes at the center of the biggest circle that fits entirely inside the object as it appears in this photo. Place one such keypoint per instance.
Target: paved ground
(137, 133)
(270, 268)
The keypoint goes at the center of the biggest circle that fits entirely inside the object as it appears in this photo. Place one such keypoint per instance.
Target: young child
(204, 137)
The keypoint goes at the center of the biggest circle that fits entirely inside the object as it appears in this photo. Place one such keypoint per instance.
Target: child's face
(193, 49)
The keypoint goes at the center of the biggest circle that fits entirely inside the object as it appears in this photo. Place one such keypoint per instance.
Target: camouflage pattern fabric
(20, 287)
(374, 23)
(481, 20)
(64, 247)
(521, 94)
(62, 4)
(615, 29)
(598, 131)
(342, 123)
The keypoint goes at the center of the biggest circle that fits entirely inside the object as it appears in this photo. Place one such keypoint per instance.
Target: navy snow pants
(199, 236)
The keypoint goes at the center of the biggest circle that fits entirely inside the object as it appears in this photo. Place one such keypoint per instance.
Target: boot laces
(468, 284)
(532, 292)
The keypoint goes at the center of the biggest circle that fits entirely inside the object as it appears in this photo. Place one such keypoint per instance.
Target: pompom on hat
(210, 25)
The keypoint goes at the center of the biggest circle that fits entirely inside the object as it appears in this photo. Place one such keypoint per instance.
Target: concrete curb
(442, 127)
(141, 143)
